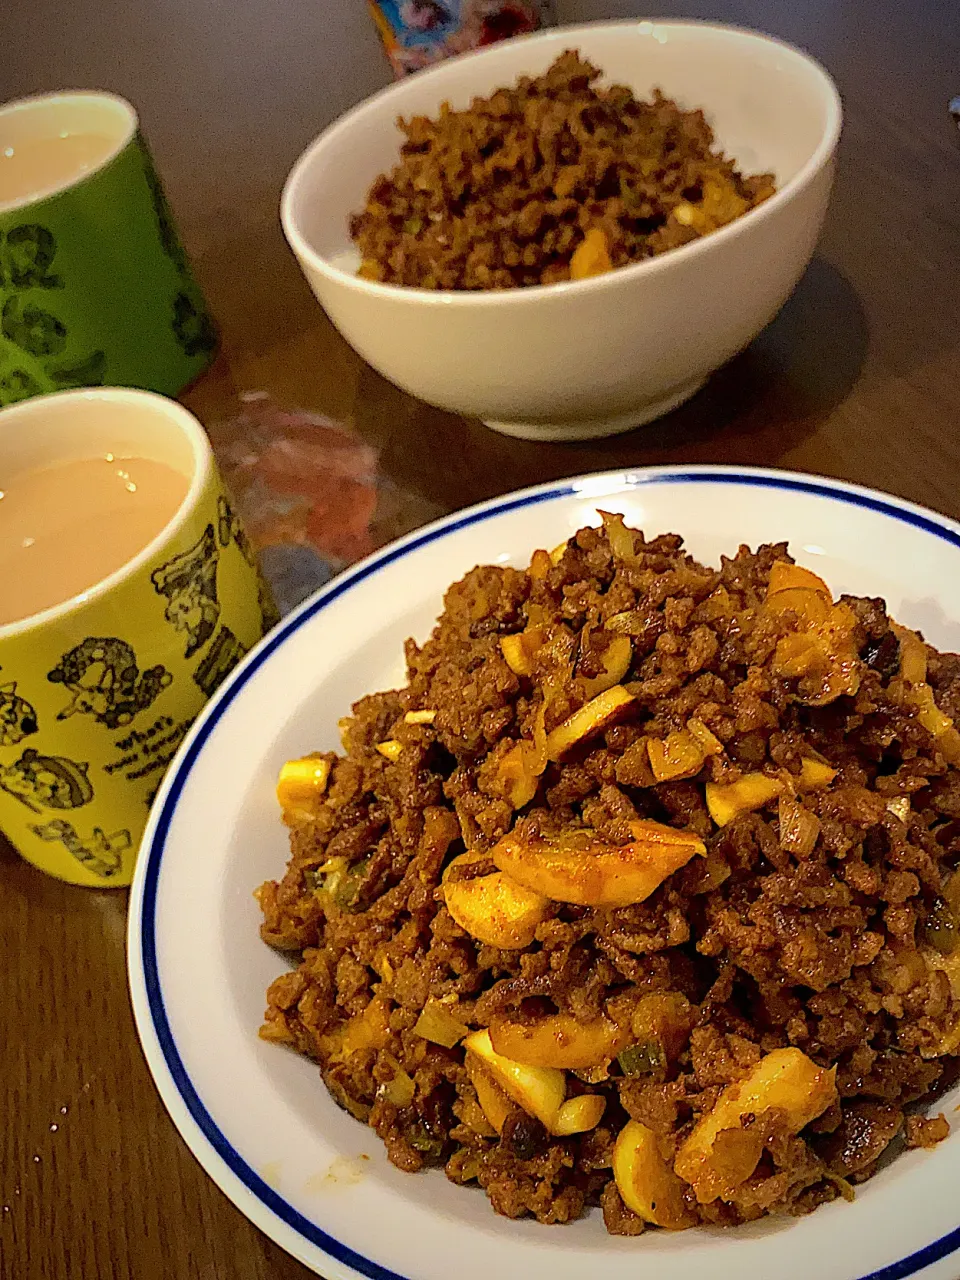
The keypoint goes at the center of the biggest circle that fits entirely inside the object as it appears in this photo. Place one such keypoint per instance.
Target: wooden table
(859, 377)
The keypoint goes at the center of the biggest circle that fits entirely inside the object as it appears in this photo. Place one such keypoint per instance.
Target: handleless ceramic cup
(95, 286)
(97, 692)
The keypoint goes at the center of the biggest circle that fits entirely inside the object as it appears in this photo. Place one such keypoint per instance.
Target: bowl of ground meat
(565, 234)
(547, 896)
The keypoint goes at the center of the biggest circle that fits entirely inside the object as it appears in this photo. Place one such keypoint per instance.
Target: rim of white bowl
(649, 266)
(261, 1203)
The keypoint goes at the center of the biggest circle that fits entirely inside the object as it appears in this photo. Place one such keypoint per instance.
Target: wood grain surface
(859, 377)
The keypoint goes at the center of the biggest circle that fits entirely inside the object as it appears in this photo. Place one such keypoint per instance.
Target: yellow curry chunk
(646, 1183)
(591, 257)
(947, 1040)
(598, 714)
(519, 651)
(496, 909)
(799, 828)
(579, 1115)
(494, 1103)
(519, 770)
(661, 1023)
(948, 964)
(519, 774)
(439, 1024)
(559, 1041)
(727, 801)
(809, 606)
(785, 1079)
(821, 654)
(913, 670)
(709, 742)
(679, 755)
(785, 576)
(815, 774)
(948, 1043)
(301, 786)
(540, 1091)
(794, 588)
(616, 663)
(540, 564)
(582, 869)
(719, 203)
(913, 654)
(823, 658)
(367, 1030)
(420, 717)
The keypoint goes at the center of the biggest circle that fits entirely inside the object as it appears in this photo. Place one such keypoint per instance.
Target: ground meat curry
(640, 894)
(554, 179)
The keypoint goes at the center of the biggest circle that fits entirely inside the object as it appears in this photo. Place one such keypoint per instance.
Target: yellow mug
(97, 693)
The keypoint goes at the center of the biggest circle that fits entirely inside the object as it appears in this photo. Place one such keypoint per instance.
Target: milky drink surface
(67, 526)
(32, 167)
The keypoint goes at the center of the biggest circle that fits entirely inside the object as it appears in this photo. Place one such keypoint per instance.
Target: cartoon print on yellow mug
(98, 852)
(225, 652)
(189, 583)
(106, 683)
(97, 695)
(47, 782)
(18, 720)
(102, 684)
(269, 613)
(230, 529)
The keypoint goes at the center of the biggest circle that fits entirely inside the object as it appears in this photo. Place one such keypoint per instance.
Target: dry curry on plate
(640, 894)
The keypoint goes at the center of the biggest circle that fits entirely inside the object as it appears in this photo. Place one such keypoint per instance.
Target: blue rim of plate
(152, 855)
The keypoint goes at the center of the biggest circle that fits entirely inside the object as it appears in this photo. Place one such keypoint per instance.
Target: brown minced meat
(832, 949)
(504, 193)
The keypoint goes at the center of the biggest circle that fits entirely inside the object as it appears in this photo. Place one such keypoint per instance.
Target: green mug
(95, 287)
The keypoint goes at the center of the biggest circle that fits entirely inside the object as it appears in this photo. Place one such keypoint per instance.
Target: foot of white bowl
(595, 429)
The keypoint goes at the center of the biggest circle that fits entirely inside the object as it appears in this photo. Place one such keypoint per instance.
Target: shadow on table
(8, 855)
(755, 410)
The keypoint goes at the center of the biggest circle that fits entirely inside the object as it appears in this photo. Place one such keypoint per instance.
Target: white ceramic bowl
(258, 1117)
(591, 357)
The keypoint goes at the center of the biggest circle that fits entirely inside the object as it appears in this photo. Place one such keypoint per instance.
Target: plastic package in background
(418, 33)
(310, 494)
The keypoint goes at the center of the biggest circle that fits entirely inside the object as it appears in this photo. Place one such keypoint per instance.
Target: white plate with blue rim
(258, 1118)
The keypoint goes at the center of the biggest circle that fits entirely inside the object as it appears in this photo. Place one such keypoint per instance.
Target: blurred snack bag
(310, 494)
(418, 33)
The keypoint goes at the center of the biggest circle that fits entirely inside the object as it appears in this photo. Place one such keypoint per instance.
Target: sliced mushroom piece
(592, 718)
(558, 1040)
(785, 1079)
(539, 1090)
(645, 1180)
(593, 873)
(727, 801)
(496, 909)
